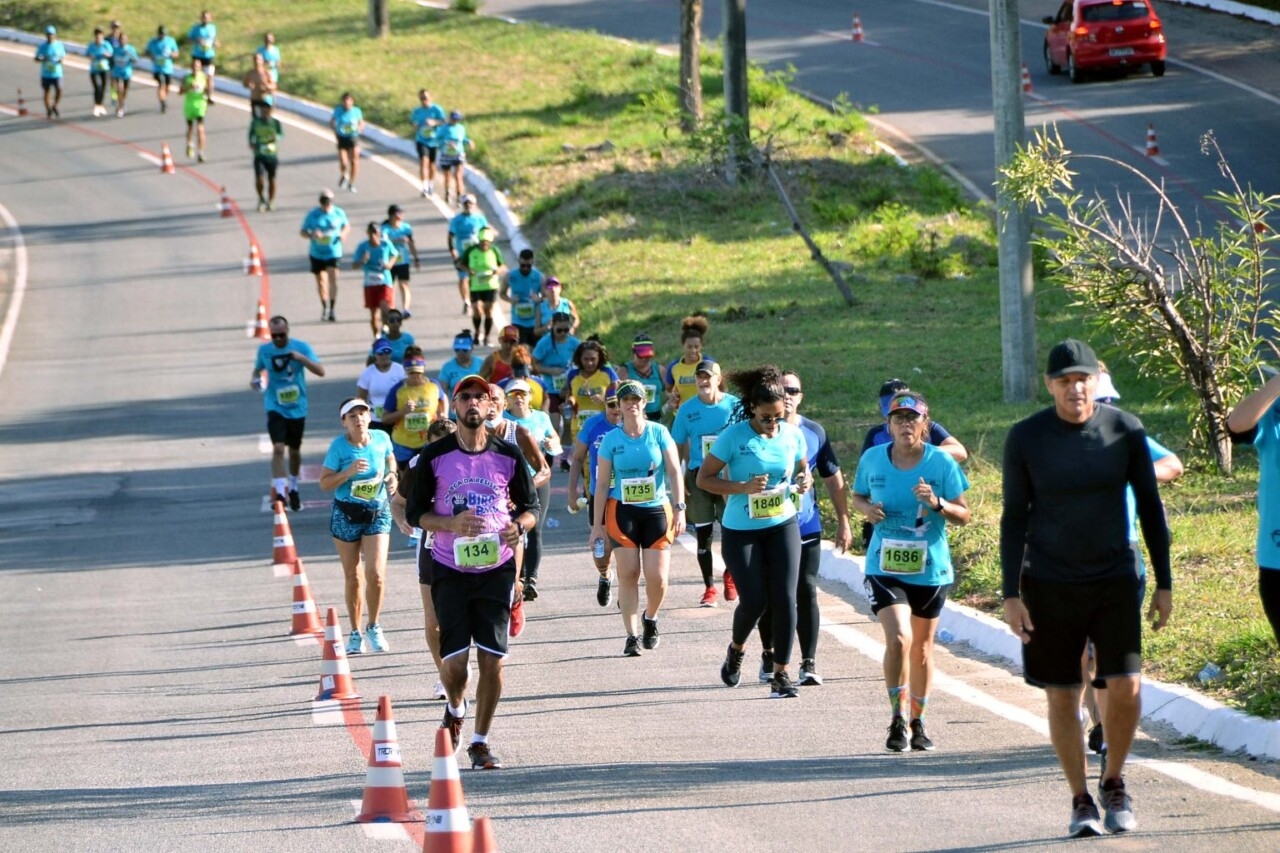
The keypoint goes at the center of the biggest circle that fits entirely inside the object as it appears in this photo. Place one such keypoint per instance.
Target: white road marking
(10, 326)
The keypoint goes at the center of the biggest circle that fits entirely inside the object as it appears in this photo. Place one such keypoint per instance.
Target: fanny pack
(357, 513)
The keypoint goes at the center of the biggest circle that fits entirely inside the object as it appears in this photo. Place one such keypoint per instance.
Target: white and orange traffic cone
(282, 551)
(335, 674)
(1153, 147)
(253, 266)
(448, 826)
(262, 333)
(482, 840)
(1026, 79)
(22, 104)
(225, 205)
(166, 160)
(305, 618)
(857, 29)
(385, 798)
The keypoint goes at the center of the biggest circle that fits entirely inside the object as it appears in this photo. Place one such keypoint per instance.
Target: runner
(555, 305)
(195, 103)
(484, 264)
(409, 409)
(910, 490)
(1256, 420)
(123, 58)
(398, 230)
(1062, 588)
(464, 230)
(360, 471)
(271, 56)
(261, 85)
(347, 122)
(426, 118)
(286, 363)
(496, 366)
(644, 370)
(326, 227)
(521, 288)
(265, 132)
(587, 381)
(452, 141)
(99, 53)
(538, 426)
(375, 256)
(522, 368)
(204, 46)
(695, 428)
(378, 380)
(642, 504)
(681, 379)
(50, 56)
(763, 460)
(476, 495)
(113, 39)
(400, 341)
(162, 50)
(552, 358)
(516, 434)
(586, 448)
(463, 362)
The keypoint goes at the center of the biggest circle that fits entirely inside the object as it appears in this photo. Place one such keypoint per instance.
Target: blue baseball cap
(382, 346)
(463, 342)
(51, 30)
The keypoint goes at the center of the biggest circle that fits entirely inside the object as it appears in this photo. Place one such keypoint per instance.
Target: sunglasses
(613, 405)
(793, 392)
(767, 420)
(280, 335)
(561, 331)
(467, 396)
(395, 319)
(904, 417)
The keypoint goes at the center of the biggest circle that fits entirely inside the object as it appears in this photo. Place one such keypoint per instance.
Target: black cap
(1071, 356)
(892, 386)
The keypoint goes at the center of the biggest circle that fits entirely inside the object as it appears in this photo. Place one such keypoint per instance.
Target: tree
(379, 18)
(1191, 309)
(690, 64)
(736, 99)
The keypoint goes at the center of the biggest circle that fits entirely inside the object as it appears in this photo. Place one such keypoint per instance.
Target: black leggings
(764, 564)
(533, 540)
(99, 80)
(807, 614)
(1269, 592)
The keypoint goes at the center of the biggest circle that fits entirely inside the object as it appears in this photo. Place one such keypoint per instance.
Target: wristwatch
(938, 508)
(680, 506)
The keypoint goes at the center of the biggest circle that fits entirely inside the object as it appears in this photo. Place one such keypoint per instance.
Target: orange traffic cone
(225, 204)
(857, 29)
(22, 105)
(385, 797)
(448, 827)
(262, 333)
(482, 840)
(166, 160)
(1153, 147)
(305, 619)
(335, 675)
(254, 265)
(282, 550)
(1026, 79)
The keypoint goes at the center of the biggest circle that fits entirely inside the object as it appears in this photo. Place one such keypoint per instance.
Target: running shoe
(295, 500)
(709, 597)
(431, 190)
(530, 591)
(351, 188)
(650, 627)
(482, 758)
(1095, 739)
(377, 642)
(564, 465)
(454, 724)
(1084, 818)
(782, 687)
(466, 308)
(604, 591)
(57, 114)
(332, 318)
(438, 692)
(271, 204)
(766, 667)
(355, 643)
(342, 180)
(191, 149)
(897, 740)
(632, 648)
(425, 193)
(920, 741)
(324, 313)
(200, 156)
(809, 674)
(164, 106)
(516, 625)
(1118, 808)
(405, 315)
(730, 588)
(119, 112)
(262, 205)
(731, 669)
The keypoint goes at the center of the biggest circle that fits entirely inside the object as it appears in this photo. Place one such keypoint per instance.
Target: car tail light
(1154, 25)
(1082, 31)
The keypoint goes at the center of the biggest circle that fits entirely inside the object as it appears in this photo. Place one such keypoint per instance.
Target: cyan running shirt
(911, 543)
(122, 62)
(451, 373)
(99, 56)
(523, 287)
(400, 236)
(161, 51)
(451, 139)
(286, 391)
(548, 354)
(202, 37)
(822, 463)
(420, 117)
(548, 311)
(366, 487)
(652, 386)
(346, 122)
(639, 473)
(271, 56)
(51, 54)
(748, 454)
(328, 245)
(1267, 441)
(376, 262)
(698, 424)
(465, 228)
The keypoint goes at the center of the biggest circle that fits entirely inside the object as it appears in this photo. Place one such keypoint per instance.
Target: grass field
(647, 232)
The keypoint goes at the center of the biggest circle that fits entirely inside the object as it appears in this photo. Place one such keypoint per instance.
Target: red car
(1093, 35)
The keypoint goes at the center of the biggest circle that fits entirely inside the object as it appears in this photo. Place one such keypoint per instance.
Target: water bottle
(945, 636)
(1211, 672)
(258, 384)
(597, 548)
(553, 523)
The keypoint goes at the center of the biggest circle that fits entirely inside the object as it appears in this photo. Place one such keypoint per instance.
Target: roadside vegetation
(582, 133)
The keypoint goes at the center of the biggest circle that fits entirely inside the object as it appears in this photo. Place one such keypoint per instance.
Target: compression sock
(896, 695)
(918, 704)
(278, 486)
(293, 483)
(479, 738)
(488, 326)
(704, 532)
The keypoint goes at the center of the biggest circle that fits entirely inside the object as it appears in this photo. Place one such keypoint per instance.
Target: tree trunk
(379, 18)
(735, 90)
(690, 64)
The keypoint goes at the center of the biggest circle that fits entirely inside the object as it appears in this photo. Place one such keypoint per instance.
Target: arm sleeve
(1155, 528)
(1016, 514)
(422, 495)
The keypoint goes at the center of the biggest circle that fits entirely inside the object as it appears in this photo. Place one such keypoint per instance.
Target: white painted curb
(1187, 711)
(1230, 7)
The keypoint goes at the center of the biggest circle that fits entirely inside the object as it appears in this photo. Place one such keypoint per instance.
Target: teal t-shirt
(161, 51)
(328, 246)
(451, 139)
(286, 391)
(421, 116)
(99, 56)
(1267, 442)
(122, 62)
(523, 287)
(699, 423)
(400, 235)
(271, 56)
(652, 388)
(346, 123)
(368, 487)
(639, 473)
(376, 262)
(911, 543)
(51, 54)
(203, 38)
(748, 454)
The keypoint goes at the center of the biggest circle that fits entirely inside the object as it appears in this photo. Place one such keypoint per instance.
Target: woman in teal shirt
(123, 58)
(375, 257)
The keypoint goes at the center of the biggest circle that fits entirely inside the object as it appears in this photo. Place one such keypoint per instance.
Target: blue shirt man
(285, 364)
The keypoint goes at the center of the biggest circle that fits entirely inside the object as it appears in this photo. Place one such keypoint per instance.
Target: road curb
(1189, 712)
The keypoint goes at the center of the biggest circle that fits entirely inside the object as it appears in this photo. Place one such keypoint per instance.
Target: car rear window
(1102, 12)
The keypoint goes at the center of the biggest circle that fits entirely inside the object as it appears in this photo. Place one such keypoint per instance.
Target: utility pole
(735, 90)
(690, 64)
(1017, 288)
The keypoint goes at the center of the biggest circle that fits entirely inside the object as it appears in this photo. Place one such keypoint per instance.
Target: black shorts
(400, 272)
(162, 78)
(639, 526)
(426, 563)
(47, 83)
(704, 507)
(426, 152)
(286, 431)
(489, 296)
(319, 265)
(926, 600)
(347, 143)
(473, 608)
(265, 167)
(1069, 615)
(527, 337)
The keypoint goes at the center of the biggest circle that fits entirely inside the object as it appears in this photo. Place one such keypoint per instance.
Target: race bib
(268, 148)
(327, 238)
(51, 67)
(524, 311)
(686, 380)
(707, 441)
(347, 130)
(366, 490)
(557, 383)
(375, 278)
(100, 64)
(417, 421)
(377, 413)
(766, 505)
(289, 395)
(476, 552)
(902, 556)
(452, 148)
(639, 490)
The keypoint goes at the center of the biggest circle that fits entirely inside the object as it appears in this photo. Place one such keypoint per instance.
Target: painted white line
(10, 327)
(1141, 149)
(327, 712)
(304, 639)
(264, 445)
(9, 111)
(381, 831)
(281, 570)
(149, 157)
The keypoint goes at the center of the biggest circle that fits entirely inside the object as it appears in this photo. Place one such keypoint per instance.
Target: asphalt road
(151, 702)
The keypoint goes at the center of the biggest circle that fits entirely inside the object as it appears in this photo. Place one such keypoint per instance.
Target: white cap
(1105, 390)
(518, 385)
(355, 403)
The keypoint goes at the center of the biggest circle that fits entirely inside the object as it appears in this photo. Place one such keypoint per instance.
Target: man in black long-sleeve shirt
(1070, 573)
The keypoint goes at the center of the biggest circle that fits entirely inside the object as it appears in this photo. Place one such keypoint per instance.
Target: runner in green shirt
(483, 264)
(265, 132)
(195, 103)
